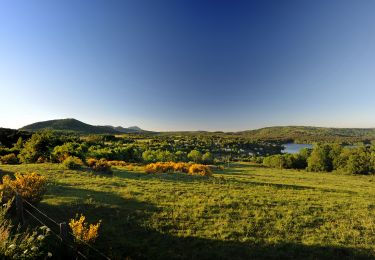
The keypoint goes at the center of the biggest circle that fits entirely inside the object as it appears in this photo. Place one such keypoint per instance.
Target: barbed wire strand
(49, 218)
(93, 248)
(41, 222)
(40, 212)
(54, 233)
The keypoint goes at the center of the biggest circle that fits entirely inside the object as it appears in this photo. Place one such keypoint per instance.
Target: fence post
(64, 238)
(19, 208)
(63, 231)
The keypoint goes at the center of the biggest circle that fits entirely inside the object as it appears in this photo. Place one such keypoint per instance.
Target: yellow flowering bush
(170, 167)
(84, 231)
(30, 186)
(200, 169)
(117, 163)
(101, 165)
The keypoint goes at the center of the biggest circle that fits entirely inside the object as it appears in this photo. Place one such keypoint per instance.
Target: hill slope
(69, 124)
(310, 133)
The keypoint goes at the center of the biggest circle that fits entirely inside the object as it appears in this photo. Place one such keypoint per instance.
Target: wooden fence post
(19, 208)
(64, 239)
(63, 231)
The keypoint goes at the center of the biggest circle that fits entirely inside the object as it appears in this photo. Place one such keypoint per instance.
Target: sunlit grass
(244, 211)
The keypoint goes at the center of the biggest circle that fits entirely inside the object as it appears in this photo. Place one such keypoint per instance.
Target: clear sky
(188, 65)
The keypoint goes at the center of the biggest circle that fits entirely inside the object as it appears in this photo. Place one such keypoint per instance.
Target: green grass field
(244, 212)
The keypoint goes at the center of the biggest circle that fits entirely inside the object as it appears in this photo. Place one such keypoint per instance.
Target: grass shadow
(125, 233)
(134, 175)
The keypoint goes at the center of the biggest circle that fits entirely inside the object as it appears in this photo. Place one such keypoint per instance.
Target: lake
(295, 148)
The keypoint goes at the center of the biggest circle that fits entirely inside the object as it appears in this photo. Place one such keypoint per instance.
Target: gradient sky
(188, 65)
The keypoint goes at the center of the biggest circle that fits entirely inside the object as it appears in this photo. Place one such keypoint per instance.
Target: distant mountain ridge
(276, 133)
(74, 125)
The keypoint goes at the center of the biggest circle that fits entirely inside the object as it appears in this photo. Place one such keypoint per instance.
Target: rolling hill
(74, 125)
(307, 134)
(311, 133)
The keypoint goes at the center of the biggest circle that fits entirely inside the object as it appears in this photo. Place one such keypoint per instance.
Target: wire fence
(64, 235)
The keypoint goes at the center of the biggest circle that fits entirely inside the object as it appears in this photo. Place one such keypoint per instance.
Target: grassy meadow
(243, 212)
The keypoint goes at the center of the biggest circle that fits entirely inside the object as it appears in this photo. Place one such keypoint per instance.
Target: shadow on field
(4, 172)
(125, 233)
(289, 186)
(169, 177)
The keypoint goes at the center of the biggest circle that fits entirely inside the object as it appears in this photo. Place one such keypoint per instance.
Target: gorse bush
(200, 169)
(30, 186)
(101, 165)
(9, 159)
(117, 163)
(84, 231)
(72, 162)
(91, 162)
(181, 167)
(171, 167)
(160, 167)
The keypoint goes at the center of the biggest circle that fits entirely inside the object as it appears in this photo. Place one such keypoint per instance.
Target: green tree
(195, 156)
(180, 156)
(19, 144)
(38, 147)
(149, 156)
(207, 158)
(61, 152)
(320, 159)
(359, 162)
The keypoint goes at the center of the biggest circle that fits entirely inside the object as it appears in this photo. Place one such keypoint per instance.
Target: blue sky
(188, 65)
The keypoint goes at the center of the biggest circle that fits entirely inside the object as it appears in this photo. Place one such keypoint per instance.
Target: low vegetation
(146, 195)
(72, 162)
(84, 232)
(101, 165)
(243, 212)
(30, 186)
(171, 167)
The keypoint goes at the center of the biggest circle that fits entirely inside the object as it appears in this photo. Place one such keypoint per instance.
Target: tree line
(325, 157)
(48, 146)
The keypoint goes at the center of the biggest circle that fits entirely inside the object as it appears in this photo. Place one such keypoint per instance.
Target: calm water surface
(295, 148)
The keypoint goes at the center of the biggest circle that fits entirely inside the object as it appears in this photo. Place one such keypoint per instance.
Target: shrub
(170, 167)
(117, 163)
(26, 245)
(200, 169)
(9, 159)
(91, 162)
(72, 162)
(83, 231)
(181, 167)
(101, 165)
(160, 167)
(29, 186)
